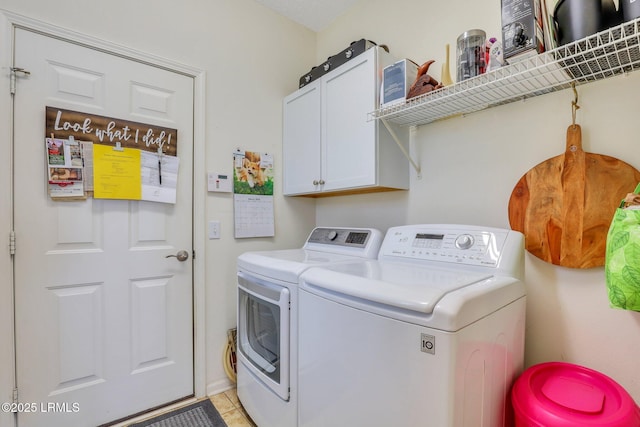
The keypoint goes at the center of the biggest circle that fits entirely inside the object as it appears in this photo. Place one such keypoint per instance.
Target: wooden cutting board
(565, 204)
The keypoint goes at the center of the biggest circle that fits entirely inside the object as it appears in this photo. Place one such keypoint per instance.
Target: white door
(104, 321)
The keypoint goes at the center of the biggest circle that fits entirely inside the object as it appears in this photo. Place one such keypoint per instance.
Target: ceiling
(313, 14)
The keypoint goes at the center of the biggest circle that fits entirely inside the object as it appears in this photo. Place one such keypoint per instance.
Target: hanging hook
(574, 103)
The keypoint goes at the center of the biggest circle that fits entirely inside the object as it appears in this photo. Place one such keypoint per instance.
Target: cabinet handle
(322, 182)
(315, 182)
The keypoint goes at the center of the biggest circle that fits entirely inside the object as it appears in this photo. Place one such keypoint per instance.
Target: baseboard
(219, 386)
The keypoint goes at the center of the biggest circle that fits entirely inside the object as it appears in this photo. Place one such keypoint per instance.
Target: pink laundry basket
(558, 394)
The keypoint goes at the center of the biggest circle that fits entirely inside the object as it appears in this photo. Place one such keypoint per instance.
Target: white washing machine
(430, 334)
(268, 317)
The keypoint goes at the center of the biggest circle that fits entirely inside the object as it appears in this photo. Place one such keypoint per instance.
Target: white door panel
(103, 318)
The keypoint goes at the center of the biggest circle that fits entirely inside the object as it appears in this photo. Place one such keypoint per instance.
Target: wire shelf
(609, 53)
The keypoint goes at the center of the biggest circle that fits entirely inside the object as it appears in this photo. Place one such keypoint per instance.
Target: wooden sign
(108, 131)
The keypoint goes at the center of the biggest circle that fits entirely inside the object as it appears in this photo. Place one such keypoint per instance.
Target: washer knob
(464, 241)
(332, 235)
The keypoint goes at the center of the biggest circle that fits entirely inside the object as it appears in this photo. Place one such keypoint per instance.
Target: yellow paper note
(116, 173)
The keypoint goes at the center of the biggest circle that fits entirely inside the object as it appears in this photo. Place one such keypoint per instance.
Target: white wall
(252, 58)
(471, 164)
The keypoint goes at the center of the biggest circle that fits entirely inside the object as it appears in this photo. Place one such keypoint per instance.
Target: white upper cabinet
(301, 140)
(330, 146)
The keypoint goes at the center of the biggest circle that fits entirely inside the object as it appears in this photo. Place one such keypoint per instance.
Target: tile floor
(231, 410)
(226, 403)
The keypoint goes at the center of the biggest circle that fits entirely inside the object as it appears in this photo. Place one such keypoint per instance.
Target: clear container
(471, 54)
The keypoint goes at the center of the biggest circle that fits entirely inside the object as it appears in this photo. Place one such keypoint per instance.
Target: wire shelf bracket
(404, 151)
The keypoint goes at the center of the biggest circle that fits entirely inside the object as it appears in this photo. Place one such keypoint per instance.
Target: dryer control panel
(360, 242)
(340, 236)
(446, 243)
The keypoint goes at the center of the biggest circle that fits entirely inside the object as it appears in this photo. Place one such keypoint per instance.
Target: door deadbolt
(181, 255)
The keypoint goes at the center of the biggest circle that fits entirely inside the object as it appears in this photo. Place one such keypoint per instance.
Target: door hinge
(12, 82)
(15, 395)
(12, 243)
(194, 254)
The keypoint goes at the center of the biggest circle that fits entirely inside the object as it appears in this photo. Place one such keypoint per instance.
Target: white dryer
(268, 317)
(430, 334)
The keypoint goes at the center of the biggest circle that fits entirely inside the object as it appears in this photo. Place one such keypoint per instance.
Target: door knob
(181, 255)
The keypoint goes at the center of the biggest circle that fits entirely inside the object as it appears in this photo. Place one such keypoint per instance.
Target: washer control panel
(458, 244)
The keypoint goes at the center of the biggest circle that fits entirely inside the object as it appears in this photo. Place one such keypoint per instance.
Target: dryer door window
(263, 331)
(263, 335)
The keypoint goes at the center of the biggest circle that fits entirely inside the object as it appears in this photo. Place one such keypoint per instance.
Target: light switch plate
(214, 229)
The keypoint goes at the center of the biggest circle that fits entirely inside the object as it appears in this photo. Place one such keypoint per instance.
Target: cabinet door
(349, 139)
(301, 141)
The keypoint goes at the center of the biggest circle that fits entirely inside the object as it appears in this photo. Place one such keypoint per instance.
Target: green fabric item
(622, 260)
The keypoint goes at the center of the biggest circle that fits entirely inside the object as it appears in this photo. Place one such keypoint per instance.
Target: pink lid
(574, 394)
(561, 395)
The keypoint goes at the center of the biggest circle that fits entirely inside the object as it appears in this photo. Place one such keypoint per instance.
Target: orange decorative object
(424, 83)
